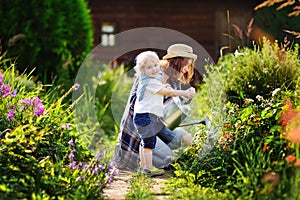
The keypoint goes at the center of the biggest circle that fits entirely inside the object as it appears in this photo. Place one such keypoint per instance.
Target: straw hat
(180, 50)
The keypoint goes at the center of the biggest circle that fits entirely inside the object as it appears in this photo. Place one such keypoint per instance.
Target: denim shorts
(148, 126)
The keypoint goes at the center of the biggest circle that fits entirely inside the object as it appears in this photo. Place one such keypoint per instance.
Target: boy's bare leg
(142, 158)
(147, 158)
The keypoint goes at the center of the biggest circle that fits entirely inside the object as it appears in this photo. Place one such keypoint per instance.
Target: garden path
(121, 186)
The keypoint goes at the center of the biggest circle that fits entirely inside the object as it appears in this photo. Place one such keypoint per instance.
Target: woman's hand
(168, 86)
(167, 90)
(190, 93)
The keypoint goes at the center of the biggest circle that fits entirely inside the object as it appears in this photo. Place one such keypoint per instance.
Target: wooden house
(157, 24)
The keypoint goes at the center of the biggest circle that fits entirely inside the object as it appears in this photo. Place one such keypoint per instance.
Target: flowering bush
(255, 156)
(41, 155)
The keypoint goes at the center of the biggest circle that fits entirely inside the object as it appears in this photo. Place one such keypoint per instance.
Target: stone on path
(121, 186)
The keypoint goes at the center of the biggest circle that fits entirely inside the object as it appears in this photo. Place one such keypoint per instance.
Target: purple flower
(35, 102)
(71, 156)
(101, 167)
(1, 77)
(24, 104)
(14, 93)
(38, 111)
(116, 172)
(11, 114)
(109, 180)
(71, 142)
(38, 106)
(95, 171)
(73, 165)
(68, 126)
(4, 90)
(85, 168)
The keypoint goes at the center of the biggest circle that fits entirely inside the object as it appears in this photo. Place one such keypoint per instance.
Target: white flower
(267, 108)
(275, 92)
(237, 53)
(259, 98)
(248, 100)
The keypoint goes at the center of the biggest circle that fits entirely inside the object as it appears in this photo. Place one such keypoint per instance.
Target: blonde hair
(144, 59)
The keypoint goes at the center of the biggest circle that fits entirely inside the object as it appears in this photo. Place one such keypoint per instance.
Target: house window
(108, 34)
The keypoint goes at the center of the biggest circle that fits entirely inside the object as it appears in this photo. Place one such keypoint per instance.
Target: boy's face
(152, 70)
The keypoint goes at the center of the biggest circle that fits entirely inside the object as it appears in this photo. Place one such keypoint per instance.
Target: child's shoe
(153, 172)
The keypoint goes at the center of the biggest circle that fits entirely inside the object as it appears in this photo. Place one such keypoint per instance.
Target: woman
(178, 65)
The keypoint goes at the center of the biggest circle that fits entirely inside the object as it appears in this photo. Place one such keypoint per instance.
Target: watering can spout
(203, 121)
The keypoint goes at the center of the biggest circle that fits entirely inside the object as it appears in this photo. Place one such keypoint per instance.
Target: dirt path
(121, 185)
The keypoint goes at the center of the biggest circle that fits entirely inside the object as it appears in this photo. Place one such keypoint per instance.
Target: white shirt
(152, 102)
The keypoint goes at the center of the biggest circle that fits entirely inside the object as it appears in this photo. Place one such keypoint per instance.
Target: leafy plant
(140, 188)
(248, 73)
(249, 157)
(41, 155)
(112, 92)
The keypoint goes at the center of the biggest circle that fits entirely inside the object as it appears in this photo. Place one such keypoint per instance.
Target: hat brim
(181, 54)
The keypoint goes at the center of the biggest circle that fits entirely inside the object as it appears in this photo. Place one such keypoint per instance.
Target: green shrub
(184, 187)
(102, 98)
(248, 156)
(52, 36)
(111, 97)
(248, 73)
(42, 156)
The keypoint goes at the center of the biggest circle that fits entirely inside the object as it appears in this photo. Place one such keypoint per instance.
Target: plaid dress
(126, 154)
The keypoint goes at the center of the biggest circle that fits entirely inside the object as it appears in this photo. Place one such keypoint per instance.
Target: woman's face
(185, 68)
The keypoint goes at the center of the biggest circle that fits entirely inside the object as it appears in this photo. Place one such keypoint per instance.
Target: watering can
(175, 112)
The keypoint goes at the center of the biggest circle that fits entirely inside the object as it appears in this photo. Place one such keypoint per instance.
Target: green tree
(52, 36)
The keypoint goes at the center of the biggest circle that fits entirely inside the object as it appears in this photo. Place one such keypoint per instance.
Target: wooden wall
(203, 21)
